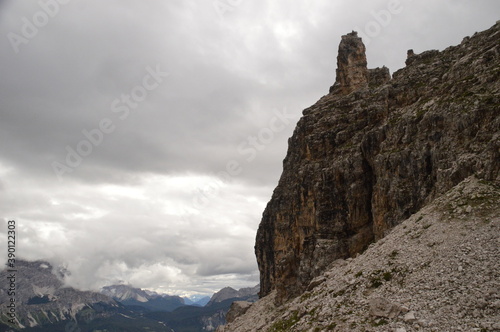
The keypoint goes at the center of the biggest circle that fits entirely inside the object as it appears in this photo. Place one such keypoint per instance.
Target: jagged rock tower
(352, 71)
(374, 151)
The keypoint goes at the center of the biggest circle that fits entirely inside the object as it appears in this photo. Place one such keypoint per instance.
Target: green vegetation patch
(379, 322)
(378, 277)
(285, 324)
(393, 254)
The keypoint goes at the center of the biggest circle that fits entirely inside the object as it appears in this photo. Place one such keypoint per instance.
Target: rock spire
(374, 151)
(352, 71)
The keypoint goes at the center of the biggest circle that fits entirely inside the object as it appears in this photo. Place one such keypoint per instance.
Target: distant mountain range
(43, 304)
(198, 301)
(128, 295)
(182, 314)
(247, 294)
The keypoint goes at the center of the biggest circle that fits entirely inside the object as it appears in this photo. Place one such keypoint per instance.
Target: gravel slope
(436, 271)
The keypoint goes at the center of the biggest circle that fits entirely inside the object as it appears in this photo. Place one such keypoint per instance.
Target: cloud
(153, 204)
(107, 233)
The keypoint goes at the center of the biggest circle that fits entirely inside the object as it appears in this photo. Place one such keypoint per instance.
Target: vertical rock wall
(374, 151)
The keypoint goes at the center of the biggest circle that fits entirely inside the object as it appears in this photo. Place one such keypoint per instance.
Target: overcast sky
(141, 140)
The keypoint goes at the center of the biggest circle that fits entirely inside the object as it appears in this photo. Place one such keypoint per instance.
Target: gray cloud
(148, 205)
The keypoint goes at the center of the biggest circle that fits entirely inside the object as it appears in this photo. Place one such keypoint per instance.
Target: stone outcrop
(378, 76)
(237, 309)
(436, 271)
(352, 72)
(374, 151)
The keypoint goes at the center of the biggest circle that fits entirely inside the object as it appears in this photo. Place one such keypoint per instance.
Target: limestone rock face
(237, 309)
(378, 76)
(352, 72)
(374, 151)
(436, 271)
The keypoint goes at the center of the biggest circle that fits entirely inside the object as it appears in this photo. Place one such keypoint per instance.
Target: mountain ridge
(129, 295)
(437, 271)
(373, 152)
(362, 163)
(41, 297)
(246, 293)
(44, 303)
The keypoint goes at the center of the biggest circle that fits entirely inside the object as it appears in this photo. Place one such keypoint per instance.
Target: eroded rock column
(352, 70)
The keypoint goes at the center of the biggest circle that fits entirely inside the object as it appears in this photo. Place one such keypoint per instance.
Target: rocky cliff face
(374, 151)
(437, 271)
